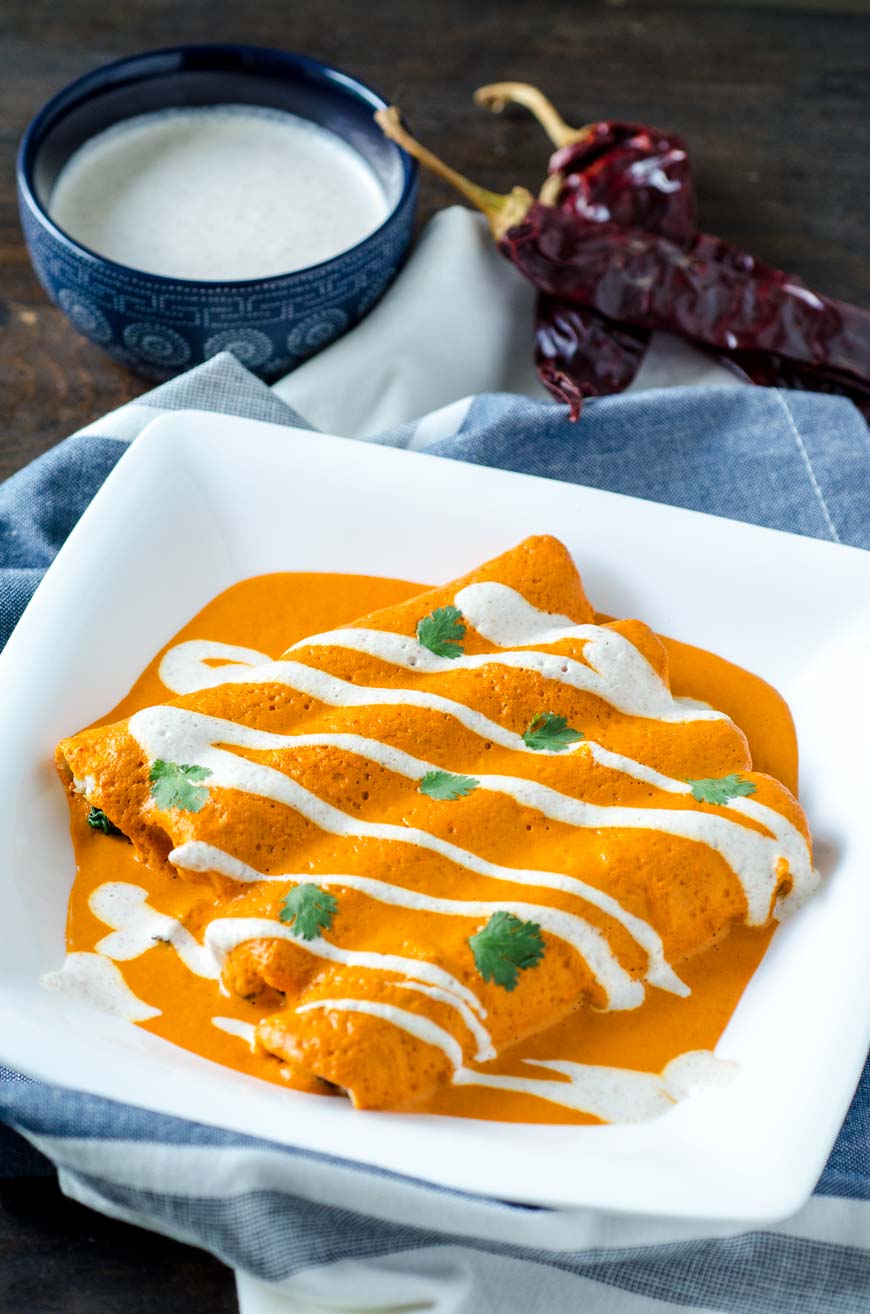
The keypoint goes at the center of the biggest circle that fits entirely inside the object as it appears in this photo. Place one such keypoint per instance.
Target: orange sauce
(272, 612)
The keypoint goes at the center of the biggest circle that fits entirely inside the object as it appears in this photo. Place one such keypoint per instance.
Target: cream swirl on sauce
(183, 736)
(613, 1094)
(617, 672)
(178, 735)
(616, 1095)
(96, 980)
(185, 670)
(612, 669)
(753, 857)
(623, 992)
(139, 927)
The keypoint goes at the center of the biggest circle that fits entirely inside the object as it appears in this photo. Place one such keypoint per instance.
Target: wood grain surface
(59, 1258)
(774, 100)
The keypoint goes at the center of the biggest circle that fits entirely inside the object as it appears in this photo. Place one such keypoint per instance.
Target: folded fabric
(459, 321)
(348, 1237)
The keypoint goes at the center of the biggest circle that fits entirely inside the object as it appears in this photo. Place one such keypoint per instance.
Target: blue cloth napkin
(347, 1237)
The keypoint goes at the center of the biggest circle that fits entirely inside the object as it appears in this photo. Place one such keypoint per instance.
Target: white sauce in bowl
(218, 193)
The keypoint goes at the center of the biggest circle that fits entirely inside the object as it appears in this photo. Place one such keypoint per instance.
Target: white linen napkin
(458, 320)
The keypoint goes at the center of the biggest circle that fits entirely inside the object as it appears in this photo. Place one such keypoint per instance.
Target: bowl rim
(82, 87)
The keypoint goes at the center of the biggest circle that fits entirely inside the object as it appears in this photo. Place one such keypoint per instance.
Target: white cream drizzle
(423, 1028)
(234, 1026)
(613, 668)
(195, 855)
(485, 1048)
(226, 933)
(504, 617)
(98, 982)
(627, 681)
(191, 674)
(176, 734)
(138, 926)
(184, 736)
(187, 673)
(630, 684)
(185, 668)
(612, 1094)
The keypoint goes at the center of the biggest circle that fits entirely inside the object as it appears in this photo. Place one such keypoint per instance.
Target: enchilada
(415, 842)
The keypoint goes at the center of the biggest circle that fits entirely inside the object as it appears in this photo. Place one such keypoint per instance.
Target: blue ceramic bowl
(158, 325)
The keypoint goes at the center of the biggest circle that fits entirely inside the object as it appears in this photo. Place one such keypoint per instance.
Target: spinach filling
(97, 820)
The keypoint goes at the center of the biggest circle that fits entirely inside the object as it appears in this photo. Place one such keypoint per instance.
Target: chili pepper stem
(502, 210)
(497, 95)
(551, 188)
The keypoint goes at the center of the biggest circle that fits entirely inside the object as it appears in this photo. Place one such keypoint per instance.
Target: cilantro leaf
(442, 632)
(446, 786)
(97, 820)
(505, 947)
(549, 733)
(721, 790)
(308, 910)
(172, 785)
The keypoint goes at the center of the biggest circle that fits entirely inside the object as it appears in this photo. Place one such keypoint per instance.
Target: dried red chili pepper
(708, 292)
(579, 353)
(624, 172)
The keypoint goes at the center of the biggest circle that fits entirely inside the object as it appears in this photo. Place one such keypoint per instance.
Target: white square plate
(201, 501)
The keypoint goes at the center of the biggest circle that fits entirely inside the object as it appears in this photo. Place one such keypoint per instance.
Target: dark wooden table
(775, 102)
